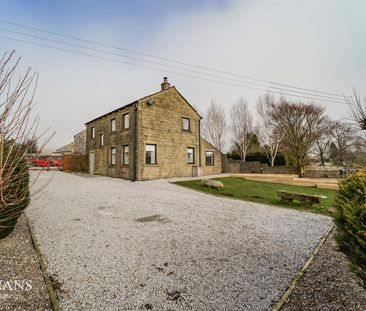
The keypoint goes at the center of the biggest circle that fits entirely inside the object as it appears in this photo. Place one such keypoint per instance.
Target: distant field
(266, 192)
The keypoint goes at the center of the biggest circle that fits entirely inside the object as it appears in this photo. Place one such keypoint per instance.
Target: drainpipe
(135, 146)
(199, 142)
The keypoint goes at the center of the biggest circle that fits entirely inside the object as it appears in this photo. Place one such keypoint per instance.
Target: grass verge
(266, 192)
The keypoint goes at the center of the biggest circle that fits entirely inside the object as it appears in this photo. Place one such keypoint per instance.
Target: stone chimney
(165, 85)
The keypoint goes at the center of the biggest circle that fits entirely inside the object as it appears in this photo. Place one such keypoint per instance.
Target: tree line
(298, 130)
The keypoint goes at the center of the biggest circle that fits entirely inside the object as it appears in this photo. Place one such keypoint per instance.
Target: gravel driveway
(117, 245)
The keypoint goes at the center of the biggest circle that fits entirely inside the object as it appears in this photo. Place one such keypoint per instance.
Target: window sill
(151, 165)
(186, 131)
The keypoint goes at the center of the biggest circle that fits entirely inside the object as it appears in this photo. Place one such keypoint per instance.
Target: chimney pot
(165, 85)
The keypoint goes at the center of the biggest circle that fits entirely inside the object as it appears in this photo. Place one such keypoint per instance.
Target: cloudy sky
(314, 44)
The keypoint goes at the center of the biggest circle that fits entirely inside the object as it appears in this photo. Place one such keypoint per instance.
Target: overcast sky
(314, 44)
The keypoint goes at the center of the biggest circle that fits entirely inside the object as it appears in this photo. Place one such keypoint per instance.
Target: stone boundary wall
(255, 167)
(320, 173)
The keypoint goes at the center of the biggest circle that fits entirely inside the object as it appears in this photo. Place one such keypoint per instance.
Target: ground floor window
(125, 155)
(150, 154)
(113, 155)
(190, 155)
(209, 158)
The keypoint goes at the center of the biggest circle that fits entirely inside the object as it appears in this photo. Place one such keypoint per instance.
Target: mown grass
(266, 192)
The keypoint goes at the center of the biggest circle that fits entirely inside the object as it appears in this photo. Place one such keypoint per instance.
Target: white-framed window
(93, 132)
(210, 158)
(125, 155)
(101, 140)
(190, 155)
(113, 156)
(126, 121)
(150, 154)
(186, 124)
(113, 125)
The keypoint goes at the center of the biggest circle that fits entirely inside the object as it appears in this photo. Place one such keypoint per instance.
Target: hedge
(351, 219)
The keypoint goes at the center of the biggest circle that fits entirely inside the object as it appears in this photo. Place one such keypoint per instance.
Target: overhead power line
(339, 96)
(168, 71)
(165, 65)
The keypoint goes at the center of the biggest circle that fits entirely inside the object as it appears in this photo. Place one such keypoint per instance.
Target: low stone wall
(255, 167)
(281, 170)
(320, 173)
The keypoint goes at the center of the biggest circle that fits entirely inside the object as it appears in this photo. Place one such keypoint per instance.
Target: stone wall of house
(217, 167)
(160, 122)
(116, 139)
(156, 120)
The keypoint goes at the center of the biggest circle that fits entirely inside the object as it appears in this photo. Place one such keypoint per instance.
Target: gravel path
(117, 245)
(19, 262)
(328, 284)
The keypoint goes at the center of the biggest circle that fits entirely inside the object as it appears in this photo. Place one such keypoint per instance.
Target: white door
(91, 162)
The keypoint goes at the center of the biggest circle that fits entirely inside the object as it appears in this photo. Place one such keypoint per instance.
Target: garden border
(301, 273)
(46, 277)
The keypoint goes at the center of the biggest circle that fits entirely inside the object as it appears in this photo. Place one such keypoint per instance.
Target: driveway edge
(300, 274)
(50, 289)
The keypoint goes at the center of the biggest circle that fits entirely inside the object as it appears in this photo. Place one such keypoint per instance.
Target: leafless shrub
(17, 136)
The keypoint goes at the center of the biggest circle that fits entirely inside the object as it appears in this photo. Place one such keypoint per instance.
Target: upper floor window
(125, 155)
(126, 121)
(150, 154)
(186, 124)
(113, 125)
(190, 155)
(210, 157)
(113, 155)
(93, 132)
(101, 140)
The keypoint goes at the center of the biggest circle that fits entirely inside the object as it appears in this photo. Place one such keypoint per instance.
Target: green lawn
(265, 192)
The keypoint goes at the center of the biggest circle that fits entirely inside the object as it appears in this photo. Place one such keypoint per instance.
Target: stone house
(156, 136)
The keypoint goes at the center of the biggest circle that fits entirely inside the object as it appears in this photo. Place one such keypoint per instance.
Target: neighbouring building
(157, 136)
(78, 146)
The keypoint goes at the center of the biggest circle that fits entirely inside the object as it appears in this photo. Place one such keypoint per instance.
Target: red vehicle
(57, 163)
(40, 162)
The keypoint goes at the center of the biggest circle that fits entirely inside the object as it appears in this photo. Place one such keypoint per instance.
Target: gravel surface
(19, 262)
(117, 245)
(328, 284)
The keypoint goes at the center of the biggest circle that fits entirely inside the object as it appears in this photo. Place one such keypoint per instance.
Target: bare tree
(301, 125)
(17, 138)
(323, 141)
(344, 138)
(214, 126)
(241, 126)
(358, 108)
(268, 133)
